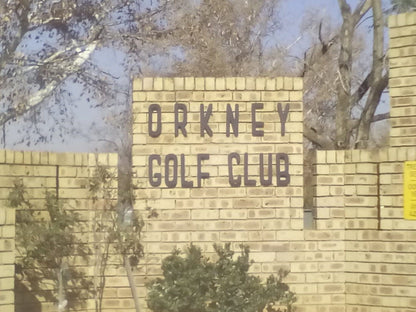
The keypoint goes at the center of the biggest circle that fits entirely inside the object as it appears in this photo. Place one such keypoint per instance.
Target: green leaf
(192, 283)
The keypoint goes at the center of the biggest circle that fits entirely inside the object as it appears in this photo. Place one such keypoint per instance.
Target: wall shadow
(24, 299)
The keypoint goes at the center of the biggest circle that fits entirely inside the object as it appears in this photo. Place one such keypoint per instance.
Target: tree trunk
(377, 80)
(62, 303)
(133, 286)
(343, 110)
(319, 139)
(125, 195)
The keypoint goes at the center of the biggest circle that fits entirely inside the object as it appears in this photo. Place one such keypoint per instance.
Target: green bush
(194, 284)
(47, 247)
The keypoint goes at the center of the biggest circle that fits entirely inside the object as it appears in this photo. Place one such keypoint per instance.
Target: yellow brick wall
(380, 257)
(360, 192)
(365, 201)
(329, 252)
(7, 248)
(41, 171)
(268, 219)
(402, 83)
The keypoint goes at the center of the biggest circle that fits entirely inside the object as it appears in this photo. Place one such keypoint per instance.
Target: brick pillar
(7, 229)
(212, 210)
(7, 243)
(402, 60)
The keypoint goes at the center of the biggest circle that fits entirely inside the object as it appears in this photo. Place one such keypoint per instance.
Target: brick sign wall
(220, 160)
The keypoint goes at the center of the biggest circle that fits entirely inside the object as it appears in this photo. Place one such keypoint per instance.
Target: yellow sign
(409, 190)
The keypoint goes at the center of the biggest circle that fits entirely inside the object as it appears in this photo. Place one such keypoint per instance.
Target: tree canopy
(55, 54)
(48, 57)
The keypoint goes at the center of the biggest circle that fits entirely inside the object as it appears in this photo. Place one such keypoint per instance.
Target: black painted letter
(283, 177)
(263, 181)
(234, 182)
(154, 179)
(171, 158)
(283, 117)
(232, 120)
(201, 175)
(247, 182)
(184, 183)
(154, 108)
(181, 124)
(204, 118)
(256, 125)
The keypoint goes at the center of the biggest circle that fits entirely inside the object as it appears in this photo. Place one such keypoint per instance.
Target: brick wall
(366, 203)
(381, 247)
(268, 218)
(328, 252)
(361, 255)
(7, 248)
(360, 192)
(402, 61)
(67, 173)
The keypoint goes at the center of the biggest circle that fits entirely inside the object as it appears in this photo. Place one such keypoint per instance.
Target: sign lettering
(167, 170)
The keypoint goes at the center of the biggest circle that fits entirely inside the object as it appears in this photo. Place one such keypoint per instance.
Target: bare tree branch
(318, 138)
(356, 122)
(10, 47)
(379, 81)
(41, 95)
(362, 8)
(344, 82)
(363, 88)
(380, 117)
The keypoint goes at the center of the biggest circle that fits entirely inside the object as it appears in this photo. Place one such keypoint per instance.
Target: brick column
(7, 254)
(402, 83)
(231, 205)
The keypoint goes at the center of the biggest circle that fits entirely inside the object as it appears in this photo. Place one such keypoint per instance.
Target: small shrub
(47, 247)
(116, 224)
(194, 284)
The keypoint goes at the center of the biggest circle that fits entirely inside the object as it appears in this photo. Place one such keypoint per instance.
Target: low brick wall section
(362, 192)
(67, 175)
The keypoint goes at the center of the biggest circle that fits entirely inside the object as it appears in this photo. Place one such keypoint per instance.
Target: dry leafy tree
(345, 75)
(49, 59)
(344, 81)
(342, 87)
(51, 56)
(223, 37)
(403, 5)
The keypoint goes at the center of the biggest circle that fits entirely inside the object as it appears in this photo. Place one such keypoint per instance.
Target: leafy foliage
(51, 48)
(125, 226)
(48, 60)
(403, 5)
(192, 283)
(116, 224)
(225, 37)
(47, 246)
